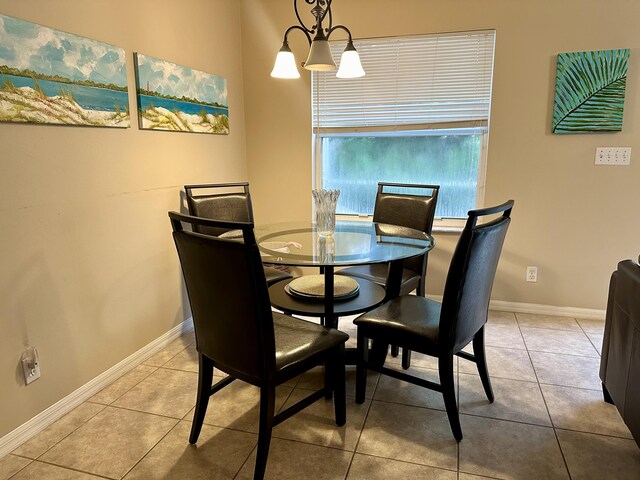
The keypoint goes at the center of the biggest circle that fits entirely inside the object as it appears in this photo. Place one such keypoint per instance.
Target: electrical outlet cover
(30, 365)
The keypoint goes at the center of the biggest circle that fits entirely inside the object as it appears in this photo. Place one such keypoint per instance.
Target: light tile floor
(548, 421)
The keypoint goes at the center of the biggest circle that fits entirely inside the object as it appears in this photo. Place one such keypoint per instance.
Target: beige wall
(89, 273)
(572, 219)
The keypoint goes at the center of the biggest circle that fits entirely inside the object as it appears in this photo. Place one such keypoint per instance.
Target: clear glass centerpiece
(325, 211)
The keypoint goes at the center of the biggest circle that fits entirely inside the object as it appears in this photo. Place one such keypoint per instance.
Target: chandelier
(320, 58)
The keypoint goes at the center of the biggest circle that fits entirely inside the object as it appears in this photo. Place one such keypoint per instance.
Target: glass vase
(325, 211)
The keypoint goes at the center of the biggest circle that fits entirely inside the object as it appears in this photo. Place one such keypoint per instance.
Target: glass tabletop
(353, 243)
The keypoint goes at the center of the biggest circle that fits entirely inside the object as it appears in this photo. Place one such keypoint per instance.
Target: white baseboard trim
(575, 312)
(24, 432)
(534, 308)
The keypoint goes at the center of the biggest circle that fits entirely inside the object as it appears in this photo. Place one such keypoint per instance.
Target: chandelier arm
(328, 10)
(340, 27)
(296, 27)
(302, 24)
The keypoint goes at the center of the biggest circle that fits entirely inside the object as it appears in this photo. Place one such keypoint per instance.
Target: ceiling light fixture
(320, 58)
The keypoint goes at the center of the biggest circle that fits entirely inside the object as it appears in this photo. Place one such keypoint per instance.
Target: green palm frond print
(590, 88)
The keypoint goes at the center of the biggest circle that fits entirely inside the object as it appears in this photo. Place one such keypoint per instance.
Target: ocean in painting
(89, 98)
(147, 101)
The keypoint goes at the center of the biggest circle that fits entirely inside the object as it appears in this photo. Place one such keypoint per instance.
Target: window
(420, 115)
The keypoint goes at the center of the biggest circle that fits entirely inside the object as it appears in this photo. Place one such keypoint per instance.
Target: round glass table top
(353, 243)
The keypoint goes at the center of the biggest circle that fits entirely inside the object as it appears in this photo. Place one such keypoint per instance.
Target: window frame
(440, 224)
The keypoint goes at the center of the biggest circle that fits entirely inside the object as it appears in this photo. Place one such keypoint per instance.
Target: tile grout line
(66, 468)
(555, 433)
(591, 341)
(150, 450)
(20, 469)
(126, 391)
(364, 422)
(593, 433)
(566, 354)
(247, 459)
(63, 438)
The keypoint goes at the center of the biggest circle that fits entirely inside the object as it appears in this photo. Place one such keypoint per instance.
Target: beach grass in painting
(178, 98)
(53, 77)
(590, 91)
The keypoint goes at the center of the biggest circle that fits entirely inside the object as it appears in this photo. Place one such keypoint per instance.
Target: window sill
(450, 229)
(438, 226)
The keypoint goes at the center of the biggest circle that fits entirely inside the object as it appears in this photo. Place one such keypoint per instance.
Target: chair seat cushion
(407, 320)
(378, 273)
(274, 275)
(297, 340)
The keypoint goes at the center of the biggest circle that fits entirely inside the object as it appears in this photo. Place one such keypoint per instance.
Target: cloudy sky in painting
(52, 52)
(171, 79)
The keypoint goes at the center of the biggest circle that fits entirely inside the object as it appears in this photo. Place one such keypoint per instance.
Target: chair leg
(361, 370)
(481, 363)
(338, 383)
(406, 354)
(606, 395)
(406, 358)
(267, 411)
(445, 369)
(394, 350)
(378, 352)
(329, 379)
(205, 378)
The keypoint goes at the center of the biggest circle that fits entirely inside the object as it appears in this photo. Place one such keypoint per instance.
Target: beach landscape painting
(178, 98)
(52, 77)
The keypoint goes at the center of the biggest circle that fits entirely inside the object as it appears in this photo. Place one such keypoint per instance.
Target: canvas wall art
(178, 98)
(53, 77)
(590, 90)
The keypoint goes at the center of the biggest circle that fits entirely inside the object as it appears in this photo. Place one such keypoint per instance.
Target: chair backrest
(228, 296)
(467, 290)
(408, 210)
(219, 201)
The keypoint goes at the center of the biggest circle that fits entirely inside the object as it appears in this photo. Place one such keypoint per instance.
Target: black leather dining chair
(442, 329)
(410, 210)
(237, 333)
(228, 202)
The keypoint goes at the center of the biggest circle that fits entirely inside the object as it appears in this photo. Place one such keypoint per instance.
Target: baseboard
(587, 313)
(24, 432)
(534, 308)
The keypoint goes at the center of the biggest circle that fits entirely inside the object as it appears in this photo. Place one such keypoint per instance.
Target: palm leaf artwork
(590, 88)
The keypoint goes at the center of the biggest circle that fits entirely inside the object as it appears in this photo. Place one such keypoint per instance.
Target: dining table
(353, 242)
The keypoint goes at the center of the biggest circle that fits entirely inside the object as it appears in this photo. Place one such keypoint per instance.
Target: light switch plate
(613, 155)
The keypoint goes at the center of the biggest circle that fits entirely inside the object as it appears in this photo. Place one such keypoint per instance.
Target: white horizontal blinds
(410, 81)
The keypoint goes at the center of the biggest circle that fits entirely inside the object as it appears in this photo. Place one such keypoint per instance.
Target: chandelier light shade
(350, 66)
(320, 58)
(285, 66)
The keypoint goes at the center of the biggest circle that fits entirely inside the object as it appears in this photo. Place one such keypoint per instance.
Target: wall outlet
(30, 365)
(532, 274)
(613, 155)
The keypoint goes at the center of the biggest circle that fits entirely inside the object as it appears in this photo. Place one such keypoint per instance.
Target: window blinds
(410, 83)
